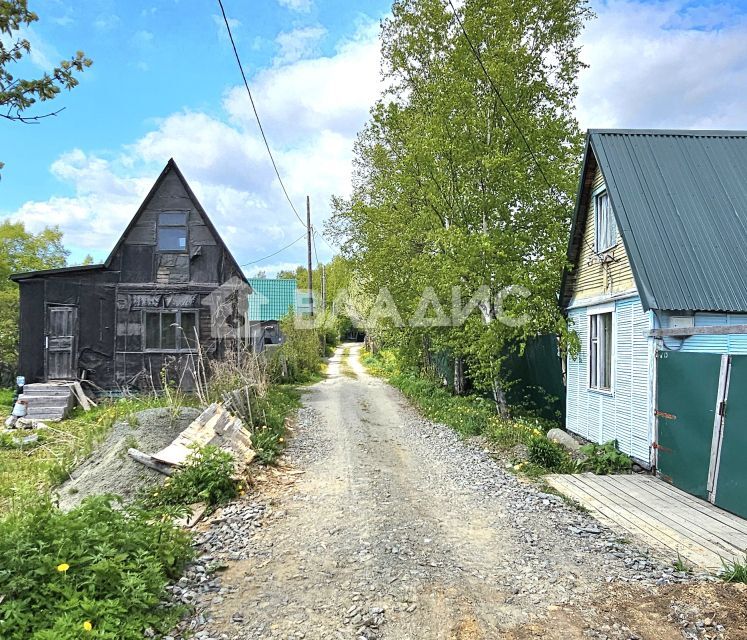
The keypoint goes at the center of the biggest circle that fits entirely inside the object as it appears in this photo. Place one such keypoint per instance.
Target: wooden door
(61, 338)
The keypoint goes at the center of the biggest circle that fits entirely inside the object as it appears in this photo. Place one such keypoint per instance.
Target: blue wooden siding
(624, 414)
(733, 344)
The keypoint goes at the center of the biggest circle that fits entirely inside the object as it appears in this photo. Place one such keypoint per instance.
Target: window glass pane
(173, 219)
(172, 238)
(152, 330)
(168, 331)
(606, 330)
(606, 232)
(187, 333)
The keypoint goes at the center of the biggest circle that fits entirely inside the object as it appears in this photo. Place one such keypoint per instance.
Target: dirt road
(390, 526)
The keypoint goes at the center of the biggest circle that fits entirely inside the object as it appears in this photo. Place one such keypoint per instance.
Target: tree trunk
(499, 396)
(459, 381)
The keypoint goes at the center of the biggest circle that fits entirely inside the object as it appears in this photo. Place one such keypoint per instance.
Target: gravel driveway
(394, 527)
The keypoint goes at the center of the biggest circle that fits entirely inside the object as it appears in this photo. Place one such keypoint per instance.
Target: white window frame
(592, 348)
(602, 244)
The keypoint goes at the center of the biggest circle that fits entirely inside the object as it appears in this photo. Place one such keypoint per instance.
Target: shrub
(98, 564)
(207, 477)
(300, 356)
(547, 454)
(605, 458)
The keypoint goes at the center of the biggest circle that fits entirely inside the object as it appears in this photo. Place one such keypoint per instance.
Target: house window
(170, 330)
(172, 231)
(600, 351)
(606, 227)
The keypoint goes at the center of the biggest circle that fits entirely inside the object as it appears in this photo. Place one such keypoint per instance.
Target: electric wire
(272, 255)
(553, 189)
(256, 113)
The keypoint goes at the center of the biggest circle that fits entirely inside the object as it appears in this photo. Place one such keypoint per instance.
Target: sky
(164, 84)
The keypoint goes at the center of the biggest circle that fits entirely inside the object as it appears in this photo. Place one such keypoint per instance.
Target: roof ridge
(693, 133)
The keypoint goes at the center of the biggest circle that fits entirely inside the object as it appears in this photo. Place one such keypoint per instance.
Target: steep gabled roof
(680, 200)
(172, 166)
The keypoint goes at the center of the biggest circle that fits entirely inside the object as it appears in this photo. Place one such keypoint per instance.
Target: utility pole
(308, 245)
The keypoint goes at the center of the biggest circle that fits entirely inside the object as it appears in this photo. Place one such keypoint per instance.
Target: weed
(207, 476)
(681, 565)
(735, 570)
(100, 566)
(548, 454)
(604, 459)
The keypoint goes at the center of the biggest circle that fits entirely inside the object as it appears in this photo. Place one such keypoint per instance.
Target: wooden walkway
(662, 517)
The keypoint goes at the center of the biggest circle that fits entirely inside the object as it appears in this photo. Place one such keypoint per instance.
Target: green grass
(63, 446)
(735, 571)
(269, 413)
(6, 401)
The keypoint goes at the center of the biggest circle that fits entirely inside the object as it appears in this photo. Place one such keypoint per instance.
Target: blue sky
(164, 83)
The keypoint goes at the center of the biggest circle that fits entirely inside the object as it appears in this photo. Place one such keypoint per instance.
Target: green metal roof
(272, 298)
(680, 199)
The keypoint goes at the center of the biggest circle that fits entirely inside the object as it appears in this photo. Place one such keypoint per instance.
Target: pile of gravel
(110, 470)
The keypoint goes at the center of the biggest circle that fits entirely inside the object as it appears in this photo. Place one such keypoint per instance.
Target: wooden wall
(596, 276)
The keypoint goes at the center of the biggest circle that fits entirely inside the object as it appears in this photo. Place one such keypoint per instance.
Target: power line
(313, 240)
(288, 246)
(256, 114)
(476, 54)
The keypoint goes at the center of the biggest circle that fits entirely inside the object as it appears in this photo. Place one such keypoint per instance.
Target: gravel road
(389, 526)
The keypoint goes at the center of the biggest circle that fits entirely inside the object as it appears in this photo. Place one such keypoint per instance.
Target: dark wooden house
(169, 283)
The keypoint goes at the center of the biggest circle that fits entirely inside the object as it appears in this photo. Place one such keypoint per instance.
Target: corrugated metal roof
(680, 198)
(272, 298)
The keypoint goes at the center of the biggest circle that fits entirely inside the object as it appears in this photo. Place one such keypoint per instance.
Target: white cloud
(106, 22)
(297, 44)
(664, 64)
(302, 6)
(312, 111)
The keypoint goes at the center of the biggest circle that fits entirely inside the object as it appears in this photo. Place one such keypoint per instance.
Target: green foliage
(6, 401)
(547, 454)
(604, 459)
(21, 250)
(446, 192)
(207, 476)
(71, 441)
(100, 563)
(680, 564)
(270, 412)
(300, 356)
(735, 571)
(19, 94)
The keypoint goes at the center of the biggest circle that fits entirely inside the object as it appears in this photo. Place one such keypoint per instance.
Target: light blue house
(657, 295)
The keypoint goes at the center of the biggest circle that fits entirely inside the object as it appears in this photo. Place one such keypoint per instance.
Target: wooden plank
(666, 518)
(150, 461)
(712, 330)
(697, 554)
(706, 508)
(643, 490)
(607, 516)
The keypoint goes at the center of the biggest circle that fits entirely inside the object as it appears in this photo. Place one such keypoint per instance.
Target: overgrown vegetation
(98, 571)
(605, 458)
(735, 570)
(207, 476)
(299, 357)
(63, 446)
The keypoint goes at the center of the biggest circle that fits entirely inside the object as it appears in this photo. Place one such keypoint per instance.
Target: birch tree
(460, 182)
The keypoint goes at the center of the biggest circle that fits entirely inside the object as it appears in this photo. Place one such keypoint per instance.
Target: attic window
(606, 227)
(172, 231)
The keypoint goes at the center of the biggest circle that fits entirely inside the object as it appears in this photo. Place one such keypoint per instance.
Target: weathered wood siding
(138, 258)
(594, 276)
(625, 413)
